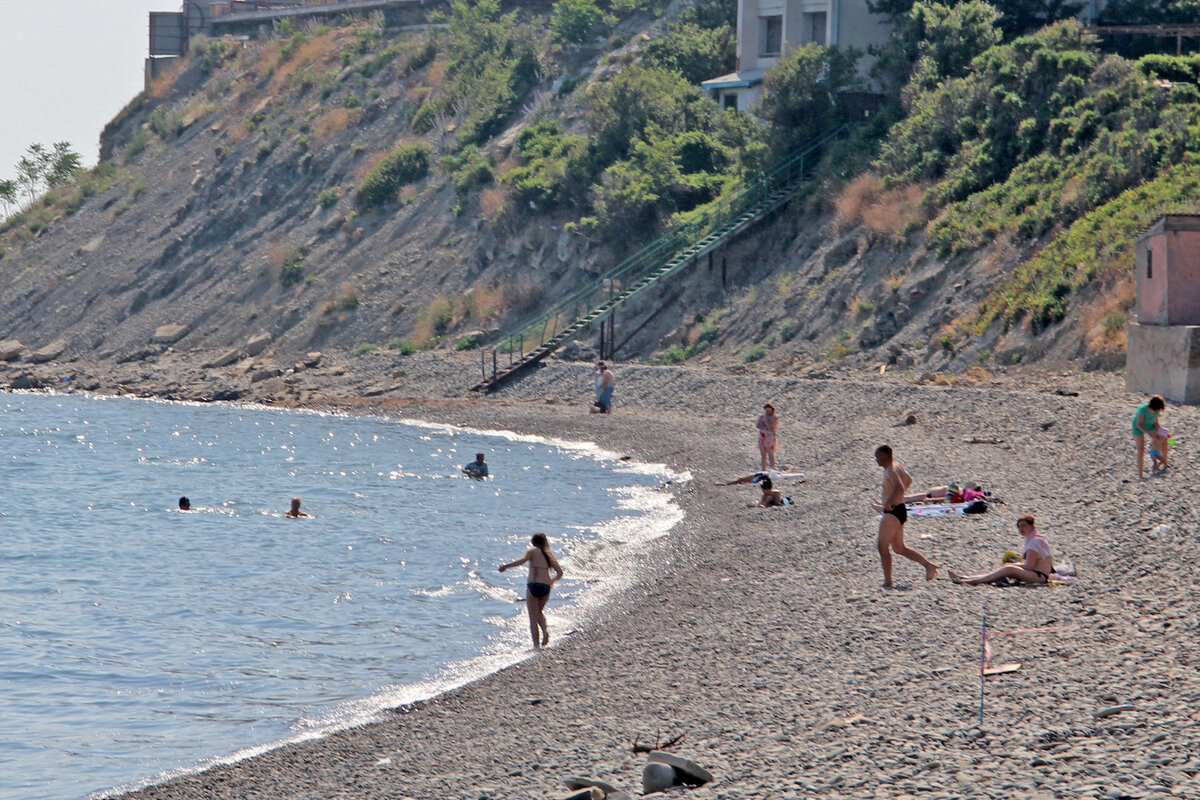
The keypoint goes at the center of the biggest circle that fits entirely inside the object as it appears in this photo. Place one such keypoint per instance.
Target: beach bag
(976, 507)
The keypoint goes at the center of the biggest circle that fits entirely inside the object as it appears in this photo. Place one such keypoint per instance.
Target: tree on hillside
(41, 169)
(800, 95)
(1018, 17)
(8, 195)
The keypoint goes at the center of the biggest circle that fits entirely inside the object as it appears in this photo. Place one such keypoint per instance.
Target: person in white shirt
(1036, 564)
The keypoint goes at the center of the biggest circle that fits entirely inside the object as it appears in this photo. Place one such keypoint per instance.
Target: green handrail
(668, 252)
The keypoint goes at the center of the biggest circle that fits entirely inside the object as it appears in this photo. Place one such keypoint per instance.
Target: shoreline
(763, 637)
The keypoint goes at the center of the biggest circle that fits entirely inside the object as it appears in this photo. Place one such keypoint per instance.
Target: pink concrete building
(1163, 352)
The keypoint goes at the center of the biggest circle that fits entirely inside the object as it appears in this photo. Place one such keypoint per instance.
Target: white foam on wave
(605, 565)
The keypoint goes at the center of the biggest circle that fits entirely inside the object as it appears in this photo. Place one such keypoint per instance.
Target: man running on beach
(896, 481)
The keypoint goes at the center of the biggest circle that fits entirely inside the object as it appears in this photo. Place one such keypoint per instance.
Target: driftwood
(983, 440)
(646, 748)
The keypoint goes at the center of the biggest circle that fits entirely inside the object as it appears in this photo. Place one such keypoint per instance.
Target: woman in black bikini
(537, 591)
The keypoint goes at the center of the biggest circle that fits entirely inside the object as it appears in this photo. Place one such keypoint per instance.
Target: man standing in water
(896, 481)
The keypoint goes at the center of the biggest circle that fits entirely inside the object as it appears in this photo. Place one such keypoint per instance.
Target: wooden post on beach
(982, 662)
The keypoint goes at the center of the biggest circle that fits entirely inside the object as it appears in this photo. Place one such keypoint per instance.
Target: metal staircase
(675, 250)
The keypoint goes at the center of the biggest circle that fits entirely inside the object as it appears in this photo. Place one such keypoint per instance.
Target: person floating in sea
(1036, 564)
(537, 590)
(294, 512)
(606, 382)
(896, 481)
(768, 426)
(477, 468)
(1145, 423)
(185, 504)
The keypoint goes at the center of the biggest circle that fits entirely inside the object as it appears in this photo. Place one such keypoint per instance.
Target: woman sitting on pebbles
(537, 590)
(1035, 566)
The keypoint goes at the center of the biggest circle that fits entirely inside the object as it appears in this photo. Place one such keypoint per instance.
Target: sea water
(137, 642)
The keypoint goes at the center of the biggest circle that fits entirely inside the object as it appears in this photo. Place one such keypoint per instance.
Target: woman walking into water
(767, 425)
(537, 591)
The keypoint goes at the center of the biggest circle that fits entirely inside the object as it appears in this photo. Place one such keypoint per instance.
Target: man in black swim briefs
(896, 481)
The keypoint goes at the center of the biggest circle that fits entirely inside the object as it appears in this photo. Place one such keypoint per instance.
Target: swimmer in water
(294, 512)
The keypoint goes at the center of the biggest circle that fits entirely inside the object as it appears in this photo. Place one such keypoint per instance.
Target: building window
(770, 36)
(1149, 263)
(814, 28)
(729, 101)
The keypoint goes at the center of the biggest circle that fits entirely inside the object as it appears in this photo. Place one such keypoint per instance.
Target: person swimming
(477, 468)
(294, 512)
(185, 504)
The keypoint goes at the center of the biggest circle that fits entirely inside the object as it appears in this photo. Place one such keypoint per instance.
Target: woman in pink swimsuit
(767, 425)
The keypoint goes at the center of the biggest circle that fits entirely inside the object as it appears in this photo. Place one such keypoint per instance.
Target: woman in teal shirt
(1145, 423)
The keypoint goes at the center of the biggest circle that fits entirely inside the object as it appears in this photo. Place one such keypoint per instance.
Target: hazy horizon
(66, 68)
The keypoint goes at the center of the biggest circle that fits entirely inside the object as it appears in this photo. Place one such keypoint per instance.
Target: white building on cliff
(768, 29)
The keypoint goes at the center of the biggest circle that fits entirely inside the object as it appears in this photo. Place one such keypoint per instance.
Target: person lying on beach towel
(770, 496)
(1036, 564)
(759, 477)
(950, 493)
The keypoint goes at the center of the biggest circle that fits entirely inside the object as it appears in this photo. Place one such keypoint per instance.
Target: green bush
(166, 122)
(468, 343)
(404, 165)
(363, 349)
(406, 347)
(557, 167)
(469, 169)
(575, 21)
(754, 354)
(799, 100)
(327, 198)
(696, 53)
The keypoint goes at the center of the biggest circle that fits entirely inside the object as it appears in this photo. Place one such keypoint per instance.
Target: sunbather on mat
(1036, 564)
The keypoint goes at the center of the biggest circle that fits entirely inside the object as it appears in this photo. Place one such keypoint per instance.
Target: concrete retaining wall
(1164, 360)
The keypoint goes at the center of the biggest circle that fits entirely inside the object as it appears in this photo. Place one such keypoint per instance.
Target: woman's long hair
(540, 541)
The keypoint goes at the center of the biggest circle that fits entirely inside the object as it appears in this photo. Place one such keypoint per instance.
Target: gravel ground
(763, 637)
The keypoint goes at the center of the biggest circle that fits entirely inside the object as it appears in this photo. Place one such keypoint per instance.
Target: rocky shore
(761, 637)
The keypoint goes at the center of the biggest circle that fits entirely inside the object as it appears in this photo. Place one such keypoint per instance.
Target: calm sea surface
(136, 641)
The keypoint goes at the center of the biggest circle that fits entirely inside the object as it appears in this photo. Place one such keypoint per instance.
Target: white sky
(66, 68)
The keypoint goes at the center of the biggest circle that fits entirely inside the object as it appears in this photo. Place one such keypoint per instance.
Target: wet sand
(763, 637)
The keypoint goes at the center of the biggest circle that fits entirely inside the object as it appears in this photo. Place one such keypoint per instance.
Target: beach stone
(169, 334)
(225, 359)
(689, 771)
(93, 244)
(584, 783)
(657, 777)
(1112, 711)
(11, 349)
(257, 343)
(265, 373)
(312, 359)
(49, 352)
(586, 793)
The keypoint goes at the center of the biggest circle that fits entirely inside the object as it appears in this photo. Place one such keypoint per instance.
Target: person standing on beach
(1145, 423)
(605, 383)
(768, 426)
(537, 590)
(896, 481)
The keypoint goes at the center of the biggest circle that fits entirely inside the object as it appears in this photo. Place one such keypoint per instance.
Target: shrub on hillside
(800, 95)
(557, 167)
(696, 53)
(404, 165)
(576, 21)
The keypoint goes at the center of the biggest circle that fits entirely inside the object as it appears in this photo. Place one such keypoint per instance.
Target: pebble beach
(762, 637)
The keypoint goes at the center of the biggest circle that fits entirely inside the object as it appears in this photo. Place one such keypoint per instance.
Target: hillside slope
(358, 187)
